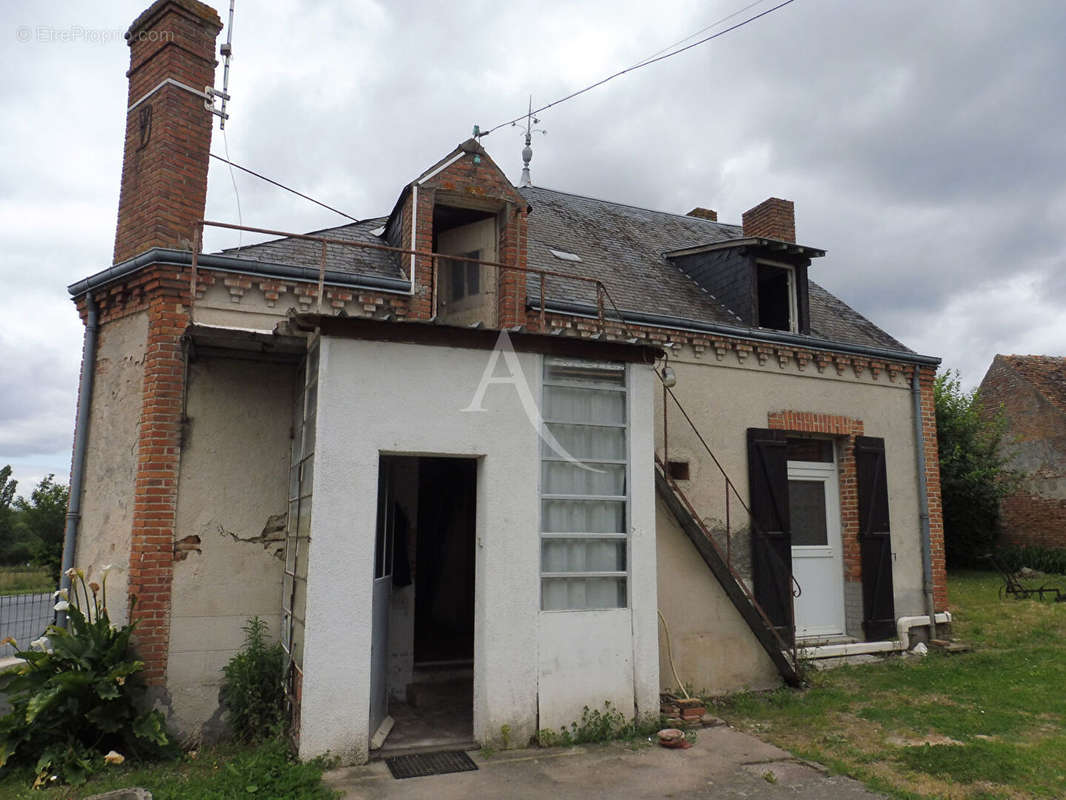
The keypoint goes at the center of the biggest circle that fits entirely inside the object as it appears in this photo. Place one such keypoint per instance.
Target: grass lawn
(25, 580)
(986, 724)
(267, 772)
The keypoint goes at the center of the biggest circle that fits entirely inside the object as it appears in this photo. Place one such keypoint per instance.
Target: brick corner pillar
(168, 129)
(164, 191)
(511, 308)
(417, 234)
(926, 376)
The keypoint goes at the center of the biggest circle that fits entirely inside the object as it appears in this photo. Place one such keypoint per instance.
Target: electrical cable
(287, 188)
(637, 66)
(236, 194)
(693, 35)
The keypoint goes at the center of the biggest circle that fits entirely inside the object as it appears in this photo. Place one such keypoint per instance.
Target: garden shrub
(77, 700)
(253, 691)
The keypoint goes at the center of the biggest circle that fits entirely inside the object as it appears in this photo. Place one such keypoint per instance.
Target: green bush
(78, 695)
(975, 471)
(1044, 559)
(253, 691)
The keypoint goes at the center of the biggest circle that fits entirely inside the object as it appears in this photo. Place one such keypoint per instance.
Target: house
(498, 455)
(1031, 392)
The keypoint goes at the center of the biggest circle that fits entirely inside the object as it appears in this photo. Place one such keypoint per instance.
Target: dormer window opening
(776, 300)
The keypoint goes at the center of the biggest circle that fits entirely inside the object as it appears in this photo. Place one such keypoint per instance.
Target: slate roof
(304, 253)
(1047, 374)
(621, 245)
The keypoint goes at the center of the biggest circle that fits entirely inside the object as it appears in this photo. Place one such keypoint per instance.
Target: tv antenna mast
(225, 50)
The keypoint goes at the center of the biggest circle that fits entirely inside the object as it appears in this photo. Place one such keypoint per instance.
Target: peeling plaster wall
(230, 526)
(111, 458)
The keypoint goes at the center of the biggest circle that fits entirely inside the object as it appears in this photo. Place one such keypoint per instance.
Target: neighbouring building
(464, 456)
(1031, 393)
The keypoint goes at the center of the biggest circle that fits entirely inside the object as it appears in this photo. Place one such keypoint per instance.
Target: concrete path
(723, 763)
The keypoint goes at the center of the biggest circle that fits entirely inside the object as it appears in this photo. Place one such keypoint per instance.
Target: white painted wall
(415, 407)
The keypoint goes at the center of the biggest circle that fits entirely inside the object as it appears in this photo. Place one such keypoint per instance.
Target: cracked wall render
(111, 456)
(232, 493)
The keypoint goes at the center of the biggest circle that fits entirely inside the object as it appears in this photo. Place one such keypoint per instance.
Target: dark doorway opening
(428, 508)
(444, 577)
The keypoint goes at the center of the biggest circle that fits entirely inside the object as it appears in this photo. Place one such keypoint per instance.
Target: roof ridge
(629, 205)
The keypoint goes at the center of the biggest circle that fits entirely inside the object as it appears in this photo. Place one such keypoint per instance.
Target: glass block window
(584, 515)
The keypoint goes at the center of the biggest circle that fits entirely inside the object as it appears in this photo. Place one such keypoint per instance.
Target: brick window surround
(842, 429)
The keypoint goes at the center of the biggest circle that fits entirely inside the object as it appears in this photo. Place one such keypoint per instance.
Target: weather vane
(527, 151)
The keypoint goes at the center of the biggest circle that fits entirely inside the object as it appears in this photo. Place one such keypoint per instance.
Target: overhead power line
(286, 188)
(639, 65)
(704, 29)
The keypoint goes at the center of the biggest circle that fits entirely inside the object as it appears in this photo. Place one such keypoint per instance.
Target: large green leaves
(77, 699)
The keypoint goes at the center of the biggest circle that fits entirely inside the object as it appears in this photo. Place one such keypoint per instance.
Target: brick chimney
(771, 219)
(703, 213)
(168, 132)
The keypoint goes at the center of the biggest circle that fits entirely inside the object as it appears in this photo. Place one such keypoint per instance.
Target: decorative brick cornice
(768, 354)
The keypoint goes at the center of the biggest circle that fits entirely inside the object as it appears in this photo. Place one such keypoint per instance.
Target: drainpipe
(923, 502)
(81, 436)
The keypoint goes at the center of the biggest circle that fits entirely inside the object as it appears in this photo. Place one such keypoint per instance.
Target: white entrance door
(817, 557)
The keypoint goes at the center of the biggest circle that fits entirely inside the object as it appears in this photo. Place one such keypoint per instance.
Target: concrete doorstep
(723, 763)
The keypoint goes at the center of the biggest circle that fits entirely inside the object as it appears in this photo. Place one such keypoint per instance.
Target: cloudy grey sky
(922, 142)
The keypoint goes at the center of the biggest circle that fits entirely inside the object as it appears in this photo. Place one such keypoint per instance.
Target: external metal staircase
(778, 641)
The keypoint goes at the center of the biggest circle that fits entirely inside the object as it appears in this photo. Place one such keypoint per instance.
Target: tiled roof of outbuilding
(1047, 374)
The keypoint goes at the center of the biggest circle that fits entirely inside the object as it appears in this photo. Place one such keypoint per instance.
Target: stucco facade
(111, 462)
(709, 388)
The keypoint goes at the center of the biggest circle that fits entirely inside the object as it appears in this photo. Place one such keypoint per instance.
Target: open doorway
(423, 653)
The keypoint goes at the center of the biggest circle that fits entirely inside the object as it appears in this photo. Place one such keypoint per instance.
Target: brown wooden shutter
(771, 536)
(875, 541)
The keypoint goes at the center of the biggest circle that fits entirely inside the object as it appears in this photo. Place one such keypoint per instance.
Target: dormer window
(776, 301)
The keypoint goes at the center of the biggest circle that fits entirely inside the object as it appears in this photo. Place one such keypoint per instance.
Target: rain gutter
(243, 266)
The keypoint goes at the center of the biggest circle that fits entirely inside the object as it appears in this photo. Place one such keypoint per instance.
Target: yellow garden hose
(670, 657)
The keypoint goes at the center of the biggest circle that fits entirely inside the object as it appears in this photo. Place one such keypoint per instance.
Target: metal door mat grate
(420, 765)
